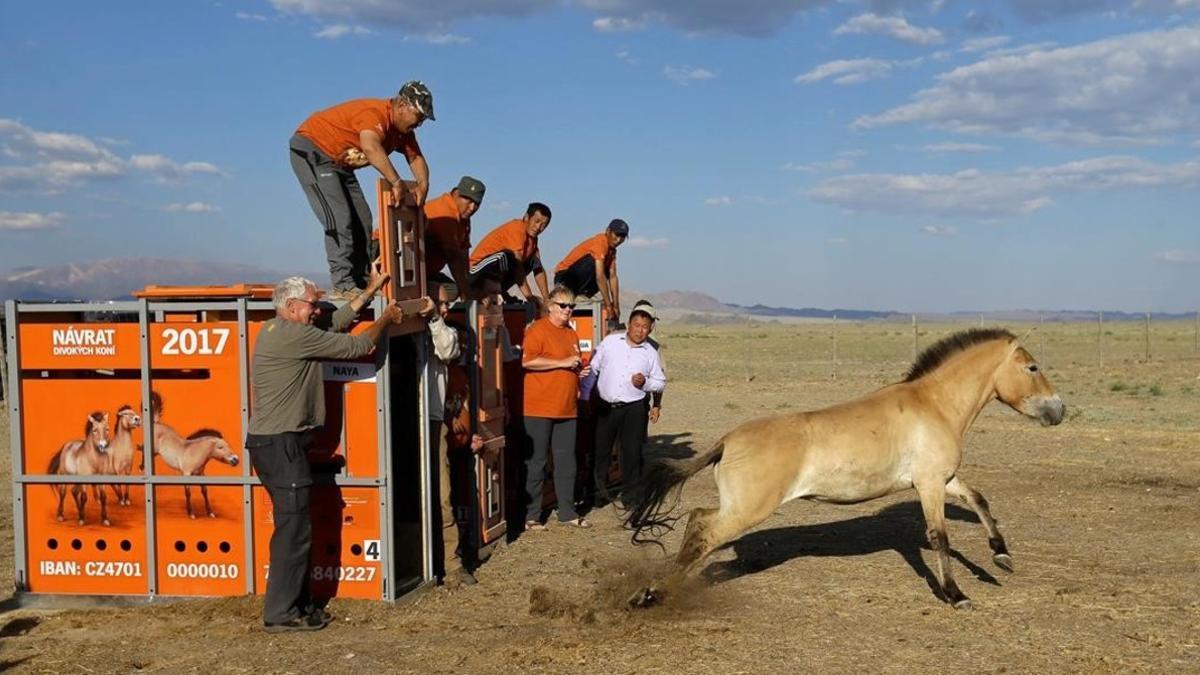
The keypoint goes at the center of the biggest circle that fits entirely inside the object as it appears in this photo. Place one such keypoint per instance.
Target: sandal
(534, 525)
(581, 523)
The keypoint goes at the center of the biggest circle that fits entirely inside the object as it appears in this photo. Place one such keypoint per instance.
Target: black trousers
(281, 462)
(627, 422)
(580, 277)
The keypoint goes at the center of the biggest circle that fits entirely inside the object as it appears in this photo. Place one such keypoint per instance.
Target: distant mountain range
(118, 279)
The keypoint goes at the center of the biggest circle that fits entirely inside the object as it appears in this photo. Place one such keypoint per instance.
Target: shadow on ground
(899, 527)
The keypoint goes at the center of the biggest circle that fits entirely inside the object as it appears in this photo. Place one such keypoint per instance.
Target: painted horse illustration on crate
(121, 450)
(83, 457)
(189, 455)
(906, 435)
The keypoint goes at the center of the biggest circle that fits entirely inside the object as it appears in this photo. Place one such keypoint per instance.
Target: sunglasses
(311, 303)
(565, 305)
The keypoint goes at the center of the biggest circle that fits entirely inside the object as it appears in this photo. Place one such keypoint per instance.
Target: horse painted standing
(121, 450)
(906, 435)
(83, 458)
(189, 455)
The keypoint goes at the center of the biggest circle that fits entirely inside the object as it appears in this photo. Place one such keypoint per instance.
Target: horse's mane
(937, 353)
(97, 416)
(205, 433)
(124, 408)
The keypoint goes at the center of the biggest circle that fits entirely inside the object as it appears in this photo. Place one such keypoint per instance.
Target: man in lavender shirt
(627, 368)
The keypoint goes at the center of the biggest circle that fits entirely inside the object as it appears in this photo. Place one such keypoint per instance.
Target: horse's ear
(1016, 344)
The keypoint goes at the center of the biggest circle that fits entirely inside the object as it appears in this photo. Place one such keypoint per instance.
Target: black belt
(622, 404)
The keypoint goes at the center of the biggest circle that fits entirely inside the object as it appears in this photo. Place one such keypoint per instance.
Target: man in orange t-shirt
(448, 231)
(510, 252)
(591, 267)
(326, 150)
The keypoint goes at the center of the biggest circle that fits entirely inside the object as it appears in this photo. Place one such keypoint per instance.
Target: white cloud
(26, 221)
(410, 16)
(977, 194)
(501, 205)
(248, 16)
(194, 207)
(52, 161)
(1136, 88)
(843, 162)
(958, 147)
(940, 230)
(646, 242)
(625, 57)
(439, 39)
(894, 26)
(684, 75)
(847, 71)
(608, 24)
(720, 200)
(340, 30)
(1179, 257)
(983, 44)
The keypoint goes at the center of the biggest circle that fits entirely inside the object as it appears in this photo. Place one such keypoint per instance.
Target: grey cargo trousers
(338, 202)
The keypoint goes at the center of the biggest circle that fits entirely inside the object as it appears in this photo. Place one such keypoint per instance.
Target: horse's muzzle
(1050, 411)
(233, 460)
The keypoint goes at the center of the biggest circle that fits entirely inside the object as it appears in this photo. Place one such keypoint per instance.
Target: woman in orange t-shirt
(553, 367)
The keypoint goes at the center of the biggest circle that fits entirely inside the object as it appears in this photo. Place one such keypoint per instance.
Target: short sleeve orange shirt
(445, 232)
(597, 247)
(336, 131)
(510, 236)
(550, 393)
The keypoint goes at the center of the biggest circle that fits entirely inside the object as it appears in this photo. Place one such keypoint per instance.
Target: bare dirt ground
(1102, 515)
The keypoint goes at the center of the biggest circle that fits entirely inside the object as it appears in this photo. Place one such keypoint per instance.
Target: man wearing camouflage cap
(448, 231)
(327, 149)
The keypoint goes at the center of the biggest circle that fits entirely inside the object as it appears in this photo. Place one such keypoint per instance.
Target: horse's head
(96, 430)
(1021, 383)
(222, 452)
(128, 419)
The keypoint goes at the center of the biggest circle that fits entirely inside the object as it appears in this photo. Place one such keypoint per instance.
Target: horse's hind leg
(933, 504)
(707, 530)
(187, 499)
(103, 499)
(972, 497)
(62, 497)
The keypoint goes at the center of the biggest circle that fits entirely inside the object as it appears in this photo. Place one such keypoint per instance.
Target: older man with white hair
(288, 404)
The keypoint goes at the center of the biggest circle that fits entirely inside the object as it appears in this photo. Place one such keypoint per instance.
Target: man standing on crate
(591, 268)
(326, 150)
(288, 404)
(448, 231)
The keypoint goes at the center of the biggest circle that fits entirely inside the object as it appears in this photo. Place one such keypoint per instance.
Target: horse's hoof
(1003, 561)
(60, 519)
(645, 597)
(964, 603)
(211, 514)
(192, 516)
(108, 523)
(82, 522)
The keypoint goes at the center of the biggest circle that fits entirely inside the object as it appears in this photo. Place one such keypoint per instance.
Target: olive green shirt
(288, 389)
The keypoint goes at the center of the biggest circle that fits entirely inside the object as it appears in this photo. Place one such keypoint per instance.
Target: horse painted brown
(189, 455)
(906, 435)
(121, 450)
(83, 457)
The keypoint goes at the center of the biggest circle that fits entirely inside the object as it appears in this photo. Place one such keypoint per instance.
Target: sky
(908, 155)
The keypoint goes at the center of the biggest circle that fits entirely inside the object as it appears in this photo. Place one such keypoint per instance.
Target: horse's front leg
(207, 507)
(80, 494)
(976, 501)
(62, 497)
(187, 498)
(933, 504)
(103, 499)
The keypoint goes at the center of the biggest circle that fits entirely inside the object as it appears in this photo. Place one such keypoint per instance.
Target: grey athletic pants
(543, 436)
(337, 200)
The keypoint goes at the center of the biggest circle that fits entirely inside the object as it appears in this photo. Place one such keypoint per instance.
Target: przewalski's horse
(121, 450)
(83, 458)
(906, 435)
(189, 455)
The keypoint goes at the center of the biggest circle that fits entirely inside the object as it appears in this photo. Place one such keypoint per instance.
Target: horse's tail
(53, 469)
(647, 512)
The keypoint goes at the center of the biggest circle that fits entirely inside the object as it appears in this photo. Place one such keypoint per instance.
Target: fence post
(914, 322)
(1147, 337)
(1196, 339)
(835, 346)
(981, 320)
(1045, 358)
(1100, 338)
